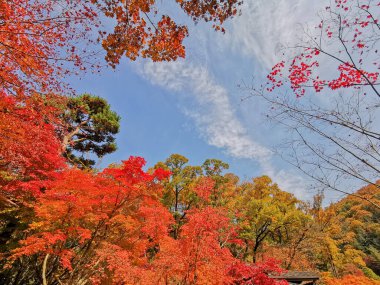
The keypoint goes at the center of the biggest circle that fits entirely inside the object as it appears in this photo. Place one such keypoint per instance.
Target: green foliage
(265, 214)
(177, 196)
(360, 227)
(191, 186)
(370, 274)
(214, 167)
(89, 127)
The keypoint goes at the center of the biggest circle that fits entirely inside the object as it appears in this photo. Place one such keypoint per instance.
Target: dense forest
(179, 223)
(63, 220)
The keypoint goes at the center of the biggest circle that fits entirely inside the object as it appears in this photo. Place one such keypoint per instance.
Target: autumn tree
(88, 126)
(39, 40)
(38, 43)
(178, 194)
(30, 157)
(202, 257)
(192, 186)
(351, 280)
(359, 230)
(111, 227)
(332, 138)
(82, 216)
(264, 213)
(346, 39)
(336, 236)
(142, 31)
(322, 250)
(29, 148)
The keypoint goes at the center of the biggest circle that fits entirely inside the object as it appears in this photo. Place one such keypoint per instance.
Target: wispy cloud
(256, 36)
(287, 179)
(213, 115)
(265, 25)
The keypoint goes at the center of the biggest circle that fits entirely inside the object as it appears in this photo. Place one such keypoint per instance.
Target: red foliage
(38, 42)
(82, 207)
(29, 148)
(256, 274)
(204, 188)
(113, 225)
(343, 42)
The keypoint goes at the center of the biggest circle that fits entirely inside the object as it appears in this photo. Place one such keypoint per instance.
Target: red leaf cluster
(29, 148)
(340, 54)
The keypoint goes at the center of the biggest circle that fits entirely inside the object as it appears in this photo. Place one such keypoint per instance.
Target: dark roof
(297, 276)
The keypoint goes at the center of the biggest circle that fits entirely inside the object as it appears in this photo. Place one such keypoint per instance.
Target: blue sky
(193, 106)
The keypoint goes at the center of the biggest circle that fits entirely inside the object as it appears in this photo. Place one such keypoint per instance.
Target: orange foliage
(139, 33)
(351, 280)
(39, 40)
(111, 227)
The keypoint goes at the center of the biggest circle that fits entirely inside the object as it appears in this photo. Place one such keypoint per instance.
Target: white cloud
(256, 35)
(287, 179)
(213, 115)
(266, 24)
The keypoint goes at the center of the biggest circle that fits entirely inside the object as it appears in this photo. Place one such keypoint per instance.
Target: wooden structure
(298, 277)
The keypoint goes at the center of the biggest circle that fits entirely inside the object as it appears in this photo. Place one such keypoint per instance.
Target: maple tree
(29, 148)
(139, 33)
(175, 223)
(81, 211)
(39, 40)
(203, 257)
(30, 156)
(112, 227)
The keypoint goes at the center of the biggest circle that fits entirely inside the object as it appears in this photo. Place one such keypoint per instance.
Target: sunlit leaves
(41, 42)
(29, 149)
(351, 280)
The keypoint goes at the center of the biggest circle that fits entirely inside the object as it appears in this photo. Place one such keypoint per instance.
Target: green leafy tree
(191, 186)
(265, 213)
(178, 195)
(89, 126)
(214, 168)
